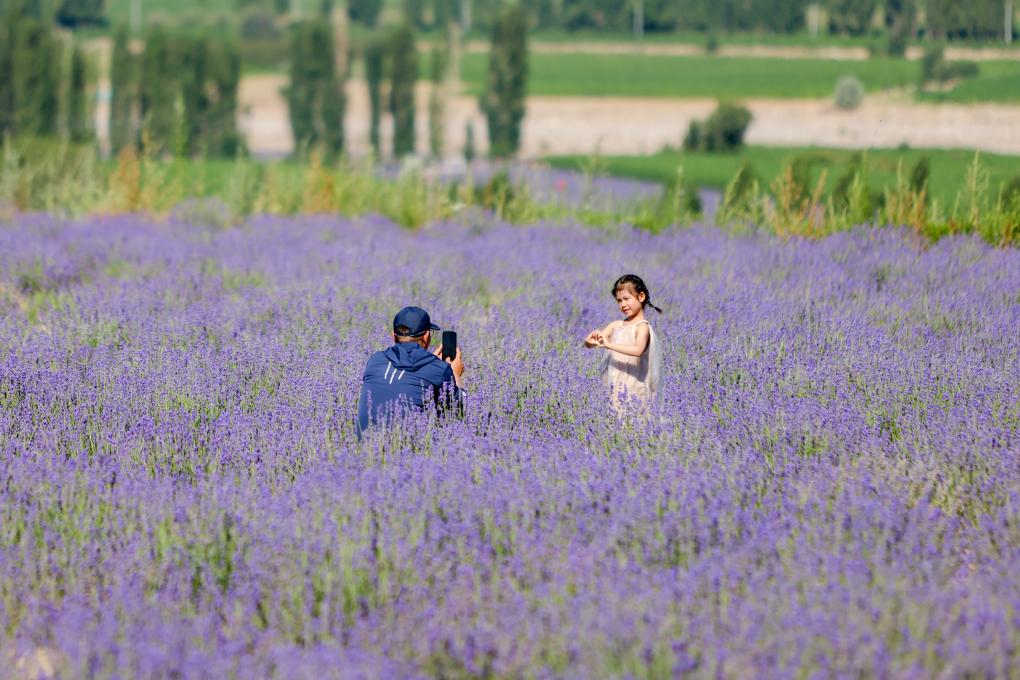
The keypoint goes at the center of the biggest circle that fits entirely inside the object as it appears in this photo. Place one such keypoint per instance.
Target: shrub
(725, 128)
(692, 141)
(932, 57)
(896, 46)
(849, 93)
(935, 68)
(956, 70)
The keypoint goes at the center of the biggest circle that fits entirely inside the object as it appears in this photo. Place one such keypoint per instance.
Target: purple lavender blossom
(832, 487)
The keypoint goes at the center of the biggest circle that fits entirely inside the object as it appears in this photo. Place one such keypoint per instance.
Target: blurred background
(635, 88)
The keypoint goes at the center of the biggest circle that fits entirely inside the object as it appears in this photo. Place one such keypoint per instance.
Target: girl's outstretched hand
(594, 339)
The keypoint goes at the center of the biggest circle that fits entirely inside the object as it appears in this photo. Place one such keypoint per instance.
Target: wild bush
(849, 93)
(724, 130)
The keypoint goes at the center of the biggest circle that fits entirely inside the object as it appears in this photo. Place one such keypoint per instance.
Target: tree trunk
(1008, 33)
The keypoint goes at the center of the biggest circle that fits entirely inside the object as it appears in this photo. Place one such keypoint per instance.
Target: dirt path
(614, 125)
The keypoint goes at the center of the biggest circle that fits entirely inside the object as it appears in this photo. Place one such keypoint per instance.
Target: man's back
(405, 375)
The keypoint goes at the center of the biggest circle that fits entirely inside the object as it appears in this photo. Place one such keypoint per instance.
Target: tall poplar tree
(315, 96)
(7, 71)
(79, 120)
(504, 100)
(159, 87)
(124, 92)
(375, 69)
(36, 78)
(403, 76)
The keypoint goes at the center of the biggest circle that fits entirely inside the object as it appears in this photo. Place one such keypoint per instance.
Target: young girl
(633, 368)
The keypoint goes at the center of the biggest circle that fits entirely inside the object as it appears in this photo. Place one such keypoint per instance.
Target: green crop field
(948, 167)
(803, 39)
(703, 76)
(205, 11)
(998, 81)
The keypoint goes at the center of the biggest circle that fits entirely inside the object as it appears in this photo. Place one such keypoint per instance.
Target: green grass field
(689, 38)
(707, 76)
(948, 167)
(667, 76)
(206, 11)
(998, 81)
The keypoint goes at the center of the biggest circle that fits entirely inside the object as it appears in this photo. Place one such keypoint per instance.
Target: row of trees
(941, 18)
(938, 18)
(391, 65)
(43, 79)
(179, 94)
(65, 12)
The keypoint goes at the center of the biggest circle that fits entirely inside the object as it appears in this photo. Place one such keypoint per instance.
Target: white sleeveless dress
(628, 377)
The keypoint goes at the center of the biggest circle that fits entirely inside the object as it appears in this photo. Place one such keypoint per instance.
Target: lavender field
(832, 488)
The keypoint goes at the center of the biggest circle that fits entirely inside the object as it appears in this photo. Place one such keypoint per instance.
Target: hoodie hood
(408, 356)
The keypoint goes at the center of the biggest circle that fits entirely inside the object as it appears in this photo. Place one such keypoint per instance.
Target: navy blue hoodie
(404, 376)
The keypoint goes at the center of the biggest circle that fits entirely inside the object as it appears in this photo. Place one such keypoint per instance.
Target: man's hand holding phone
(449, 352)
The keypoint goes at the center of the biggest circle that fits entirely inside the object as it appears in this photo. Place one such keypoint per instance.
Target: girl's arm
(597, 338)
(639, 347)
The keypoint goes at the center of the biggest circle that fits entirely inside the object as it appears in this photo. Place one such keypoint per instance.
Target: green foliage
(694, 139)
(210, 75)
(437, 108)
(78, 13)
(851, 17)
(403, 75)
(263, 45)
(935, 67)
(124, 92)
(900, 19)
(187, 93)
(504, 99)
(946, 175)
(920, 175)
(972, 19)
(740, 198)
(67, 179)
(159, 86)
(723, 130)
(79, 120)
(780, 16)
(849, 93)
(469, 142)
(364, 11)
(932, 57)
(7, 73)
(315, 97)
(375, 68)
(30, 64)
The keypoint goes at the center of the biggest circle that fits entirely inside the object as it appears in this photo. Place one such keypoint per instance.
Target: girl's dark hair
(634, 281)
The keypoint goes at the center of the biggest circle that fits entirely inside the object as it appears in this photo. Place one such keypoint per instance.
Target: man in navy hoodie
(407, 376)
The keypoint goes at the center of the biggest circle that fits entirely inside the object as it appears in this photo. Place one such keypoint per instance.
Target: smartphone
(449, 344)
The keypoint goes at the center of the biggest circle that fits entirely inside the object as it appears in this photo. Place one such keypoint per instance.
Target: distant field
(689, 38)
(669, 76)
(206, 11)
(999, 81)
(948, 167)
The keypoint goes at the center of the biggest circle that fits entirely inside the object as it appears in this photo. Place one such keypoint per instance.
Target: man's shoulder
(376, 360)
(436, 369)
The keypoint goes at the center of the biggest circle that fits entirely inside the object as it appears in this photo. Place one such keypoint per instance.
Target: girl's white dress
(630, 377)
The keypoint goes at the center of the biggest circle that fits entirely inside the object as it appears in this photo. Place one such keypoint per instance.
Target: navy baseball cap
(415, 319)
